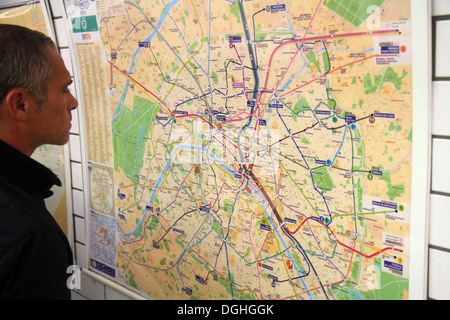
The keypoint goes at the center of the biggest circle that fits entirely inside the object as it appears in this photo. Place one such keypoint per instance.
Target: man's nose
(73, 104)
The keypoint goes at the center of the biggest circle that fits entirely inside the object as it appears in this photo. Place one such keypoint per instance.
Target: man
(35, 109)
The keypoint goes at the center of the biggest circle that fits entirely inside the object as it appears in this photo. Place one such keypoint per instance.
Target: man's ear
(18, 102)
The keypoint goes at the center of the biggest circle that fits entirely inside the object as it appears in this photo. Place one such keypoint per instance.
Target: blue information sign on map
(278, 7)
(234, 39)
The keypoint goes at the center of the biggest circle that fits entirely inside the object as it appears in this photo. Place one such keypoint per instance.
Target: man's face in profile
(53, 123)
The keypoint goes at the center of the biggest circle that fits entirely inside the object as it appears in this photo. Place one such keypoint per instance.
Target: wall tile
(61, 32)
(439, 221)
(81, 254)
(439, 277)
(442, 48)
(77, 175)
(91, 289)
(80, 230)
(57, 7)
(75, 124)
(75, 148)
(78, 202)
(440, 7)
(440, 172)
(441, 108)
(65, 55)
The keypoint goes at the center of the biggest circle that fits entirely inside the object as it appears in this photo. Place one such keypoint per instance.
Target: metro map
(262, 149)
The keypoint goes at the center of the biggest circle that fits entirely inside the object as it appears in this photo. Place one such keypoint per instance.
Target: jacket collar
(25, 172)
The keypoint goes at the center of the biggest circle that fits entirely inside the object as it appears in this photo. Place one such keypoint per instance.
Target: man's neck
(16, 141)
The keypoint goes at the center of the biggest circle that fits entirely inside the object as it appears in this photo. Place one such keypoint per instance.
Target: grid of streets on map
(261, 149)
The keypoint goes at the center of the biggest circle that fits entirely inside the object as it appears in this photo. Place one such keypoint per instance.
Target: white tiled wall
(78, 210)
(439, 242)
(439, 233)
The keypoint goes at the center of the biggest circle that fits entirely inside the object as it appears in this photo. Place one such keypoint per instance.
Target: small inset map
(101, 188)
(103, 235)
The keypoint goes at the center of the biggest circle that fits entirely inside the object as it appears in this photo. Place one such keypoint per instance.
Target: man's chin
(60, 141)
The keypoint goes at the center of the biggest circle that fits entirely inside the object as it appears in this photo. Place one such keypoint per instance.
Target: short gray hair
(24, 61)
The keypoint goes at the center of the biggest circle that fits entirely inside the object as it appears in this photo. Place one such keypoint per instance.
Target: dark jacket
(34, 251)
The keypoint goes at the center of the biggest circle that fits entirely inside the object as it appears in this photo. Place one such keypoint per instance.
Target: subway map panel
(260, 149)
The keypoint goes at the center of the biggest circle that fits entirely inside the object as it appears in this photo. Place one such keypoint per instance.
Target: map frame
(420, 12)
